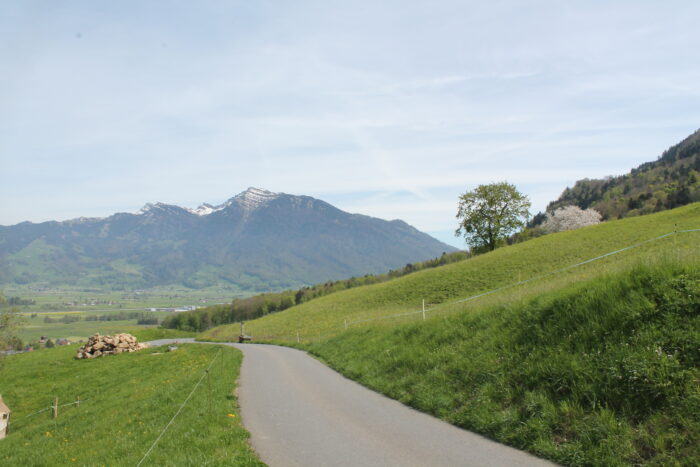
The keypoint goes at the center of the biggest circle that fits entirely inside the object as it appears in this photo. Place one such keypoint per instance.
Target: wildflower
(48, 434)
(230, 415)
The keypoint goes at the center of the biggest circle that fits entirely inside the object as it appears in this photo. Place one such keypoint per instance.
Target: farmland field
(50, 306)
(127, 401)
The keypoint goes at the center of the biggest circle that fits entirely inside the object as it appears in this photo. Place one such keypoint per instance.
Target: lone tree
(490, 213)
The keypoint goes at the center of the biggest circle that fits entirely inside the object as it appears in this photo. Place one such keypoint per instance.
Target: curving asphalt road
(301, 413)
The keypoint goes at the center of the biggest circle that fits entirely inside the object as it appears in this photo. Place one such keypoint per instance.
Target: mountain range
(256, 241)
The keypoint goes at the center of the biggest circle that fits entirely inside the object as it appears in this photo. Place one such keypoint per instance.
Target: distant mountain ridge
(672, 180)
(257, 240)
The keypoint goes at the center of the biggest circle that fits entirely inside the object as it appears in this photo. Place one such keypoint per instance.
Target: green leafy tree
(490, 213)
(10, 323)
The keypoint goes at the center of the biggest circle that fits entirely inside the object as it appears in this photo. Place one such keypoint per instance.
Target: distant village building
(4, 418)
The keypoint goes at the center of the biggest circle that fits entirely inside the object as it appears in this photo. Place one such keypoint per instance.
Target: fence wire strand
(540, 276)
(51, 407)
(179, 410)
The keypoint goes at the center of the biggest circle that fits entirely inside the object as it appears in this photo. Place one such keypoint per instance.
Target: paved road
(301, 413)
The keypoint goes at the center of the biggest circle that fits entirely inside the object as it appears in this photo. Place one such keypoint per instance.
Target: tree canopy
(10, 323)
(490, 213)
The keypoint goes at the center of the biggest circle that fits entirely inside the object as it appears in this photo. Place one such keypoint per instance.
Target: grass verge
(128, 400)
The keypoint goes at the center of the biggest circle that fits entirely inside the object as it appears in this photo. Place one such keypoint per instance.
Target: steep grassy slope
(127, 401)
(326, 316)
(606, 372)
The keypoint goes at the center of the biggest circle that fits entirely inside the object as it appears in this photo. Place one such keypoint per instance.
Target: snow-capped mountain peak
(253, 198)
(159, 208)
(249, 200)
(205, 209)
(149, 207)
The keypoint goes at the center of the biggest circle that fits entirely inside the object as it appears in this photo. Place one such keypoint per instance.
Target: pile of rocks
(98, 345)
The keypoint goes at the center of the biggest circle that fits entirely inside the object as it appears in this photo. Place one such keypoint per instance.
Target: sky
(390, 109)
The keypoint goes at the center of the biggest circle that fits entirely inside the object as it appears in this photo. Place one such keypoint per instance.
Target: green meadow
(66, 299)
(57, 303)
(34, 326)
(541, 259)
(126, 402)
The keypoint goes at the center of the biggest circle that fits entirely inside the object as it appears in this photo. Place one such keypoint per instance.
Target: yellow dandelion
(48, 434)
(230, 415)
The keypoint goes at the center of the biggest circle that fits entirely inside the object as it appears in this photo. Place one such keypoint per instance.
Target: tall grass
(127, 401)
(606, 372)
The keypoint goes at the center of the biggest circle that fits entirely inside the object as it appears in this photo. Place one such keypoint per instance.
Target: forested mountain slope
(671, 181)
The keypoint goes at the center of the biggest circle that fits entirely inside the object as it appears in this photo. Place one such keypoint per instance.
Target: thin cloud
(334, 100)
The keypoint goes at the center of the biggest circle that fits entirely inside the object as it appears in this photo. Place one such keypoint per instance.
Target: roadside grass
(325, 317)
(604, 373)
(128, 400)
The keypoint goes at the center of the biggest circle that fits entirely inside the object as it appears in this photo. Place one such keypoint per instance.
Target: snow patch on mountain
(205, 209)
(254, 198)
(249, 200)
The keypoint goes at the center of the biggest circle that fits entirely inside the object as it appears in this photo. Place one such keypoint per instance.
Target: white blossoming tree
(570, 218)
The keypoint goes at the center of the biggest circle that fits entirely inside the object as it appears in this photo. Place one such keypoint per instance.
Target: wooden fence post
(55, 407)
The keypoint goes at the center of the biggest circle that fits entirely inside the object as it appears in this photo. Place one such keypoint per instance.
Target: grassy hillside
(259, 305)
(127, 401)
(606, 372)
(440, 287)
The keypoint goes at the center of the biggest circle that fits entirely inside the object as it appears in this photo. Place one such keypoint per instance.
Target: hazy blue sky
(384, 108)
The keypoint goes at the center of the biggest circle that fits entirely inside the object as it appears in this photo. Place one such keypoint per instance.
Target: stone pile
(98, 345)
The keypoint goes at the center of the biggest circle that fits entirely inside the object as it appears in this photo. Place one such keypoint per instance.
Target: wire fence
(51, 407)
(442, 307)
(531, 279)
(182, 406)
(55, 406)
